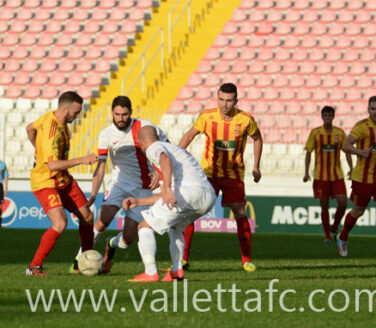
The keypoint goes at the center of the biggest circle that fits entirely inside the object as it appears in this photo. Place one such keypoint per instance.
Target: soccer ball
(90, 263)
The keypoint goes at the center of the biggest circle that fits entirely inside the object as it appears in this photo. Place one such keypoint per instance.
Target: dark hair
(229, 88)
(70, 97)
(371, 99)
(122, 101)
(327, 109)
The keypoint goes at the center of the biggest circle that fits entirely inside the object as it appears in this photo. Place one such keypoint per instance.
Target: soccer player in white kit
(186, 195)
(132, 175)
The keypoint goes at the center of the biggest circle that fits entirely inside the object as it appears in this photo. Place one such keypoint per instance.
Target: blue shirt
(3, 171)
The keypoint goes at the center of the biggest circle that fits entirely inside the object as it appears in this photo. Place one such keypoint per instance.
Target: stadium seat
(367, 55)
(238, 41)
(320, 94)
(128, 27)
(193, 107)
(337, 95)
(21, 78)
(101, 40)
(318, 29)
(301, 29)
(75, 53)
(214, 53)
(221, 67)
(347, 82)
(316, 55)
(290, 68)
(364, 82)
(273, 67)
(256, 41)
(84, 91)
(247, 54)
(68, 4)
(10, 39)
(137, 15)
(353, 95)
(306, 68)
(102, 66)
(353, 29)
(185, 93)
(42, 14)
(294, 107)
(230, 28)
(230, 78)
(12, 65)
(57, 79)
(299, 55)
(49, 92)
(39, 79)
(303, 94)
(118, 16)
(310, 16)
(267, 121)
(259, 108)
(80, 14)
(176, 106)
(270, 93)
(329, 81)
(9, 132)
(350, 55)
(31, 92)
(17, 26)
(72, 28)
(291, 42)
(369, 29)
(247, 28)
(357, 68)
(256, 16)
(264, 28)
(340, 68)
(265, 54)
(13, 92)
(282, 55)
(228, 54)
(212, 80)
(93, 53)
(53, 27)
(254, 93)
(120, 41)
(308, 42)
(6, 104)
(203, 93)
(274, 15)
(38, 53)
(91, 27)
(313, 81)
(326, 42)
(46, 40)
(280, 81)
(13, 147)
(239, 67)
(287, 94)
(66, 66)
(110, 27)
(333, 55)
(360, 42)
(56, 53)
(5, 53)
(93, 80)
(323, 68)
(256, 67)
(204, 66)
(264, 80)
(273, 135)
(75, 79)
(64, 40)
(246, 80)
(61, 14)
(83, 66)
(289, 137)
(292, 16)
(282, 29)
(83, 40)
(88, 4)
(283, 121)
(195, 80)
(6, 78)
(296, 81)
(211, 103)
(315, 121)
(345, 17)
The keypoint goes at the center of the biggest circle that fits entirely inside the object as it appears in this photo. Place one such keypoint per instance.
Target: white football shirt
(185, 169)
(130, 165)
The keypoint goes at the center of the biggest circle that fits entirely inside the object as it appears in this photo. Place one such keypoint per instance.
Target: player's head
(121, 112)
(146, 136)
(70, 103)
(372, 108)
(227, 97)
(327, 114)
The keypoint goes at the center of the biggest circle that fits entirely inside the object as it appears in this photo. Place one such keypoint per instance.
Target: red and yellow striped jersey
(365, 169)
(51, 144)
(224, 142)
(327, 147)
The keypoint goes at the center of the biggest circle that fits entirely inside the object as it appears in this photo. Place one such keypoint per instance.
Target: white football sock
(148, 248)
(97, 236)
(176, 249)
(118, 241)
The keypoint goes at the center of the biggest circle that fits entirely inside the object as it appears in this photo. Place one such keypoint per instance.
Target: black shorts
(1, 193)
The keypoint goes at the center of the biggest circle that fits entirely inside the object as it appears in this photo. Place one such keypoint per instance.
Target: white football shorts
(118, 191)
(192, 203)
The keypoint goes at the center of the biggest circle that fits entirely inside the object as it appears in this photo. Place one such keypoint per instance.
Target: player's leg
(324, 203)
(188, 236)
(59, 222)
(147, 247)
(340, 212)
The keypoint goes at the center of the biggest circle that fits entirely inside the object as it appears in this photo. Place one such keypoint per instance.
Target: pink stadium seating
(230, 28)
(21, 78)
(247, 28)
(337, 95)
(238, 41)
(267, 121)
(280, 81)
(176, 106)
(193, 107)
(283, 121)
(256, 67)
(102, 66)
(294, 107)
(61, 14)
(88, 4)
(214, 53)
(110, 27)
(239, 67)
(75, 79)
(46, 40)
(136, 15)
(80, 14)
(53, 27)
(72, 28)
(230, 78)
(75, 53)
(14, 4)
(229, 54)
(256, 16)
(203, 93)
(333, 55)
(254, 93)
(283, 29)
(93, 52)
(13, 92)
(247, 54)
(357, 68)
(6, 78)
(292, 16)
(273, 135)
(255, 41)
(313, 81)
(57, 79)
(120, 41)
(117, 15)
(185, 93)
(247, 80)
(40, 79)
(48, 66)
(287, 94)
(264, 80)
(212, 80)
(323, 68)
(56, 53)
(107, 4)
(282, 55)
(84, 91)
(353, 29)
(221, 67)
(31, 92)
(318, 29)
(204, 66)
(290, 68)
(296, 81)
(101, 40)
(265, 54)
(289, 136)
(340, 68)
(301, 29)
(273, 67)
(93, 80)
(329, 81)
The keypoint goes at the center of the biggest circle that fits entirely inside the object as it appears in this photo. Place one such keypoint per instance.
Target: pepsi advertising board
(22, 210)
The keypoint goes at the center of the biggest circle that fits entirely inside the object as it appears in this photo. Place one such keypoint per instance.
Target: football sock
(338, 217)
(176, 249)
(148, 248)
(325, 223)
(245, 237)
(86, 235)
(47, 242)
(188, 235)
(118, 241)
(97, 235)
(349, 223)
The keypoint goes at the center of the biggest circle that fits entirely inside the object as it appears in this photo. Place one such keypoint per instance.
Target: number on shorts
(54, 200)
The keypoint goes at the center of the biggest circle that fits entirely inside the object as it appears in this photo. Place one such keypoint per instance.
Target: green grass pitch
(216, 293)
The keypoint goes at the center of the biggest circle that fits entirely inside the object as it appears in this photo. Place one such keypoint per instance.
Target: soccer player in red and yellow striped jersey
(226, 129)
(327, 142)
(364, 175)
(50, 180)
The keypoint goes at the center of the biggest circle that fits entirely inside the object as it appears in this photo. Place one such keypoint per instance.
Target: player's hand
(306, 178)
(129, 202)
(89, 159)
(366, 152)
(256, 175)
(168, 199)
(154, 183)
(91, 200)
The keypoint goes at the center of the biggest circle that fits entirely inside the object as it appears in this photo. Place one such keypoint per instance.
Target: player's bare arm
(349, 148)
(188, 137)
(306, 166)
(257, 151)
(5, 185)
(168, 197)
(60, 165)
(31, 133)
(154, 183)
(97, 180)
(350, 164)
(131, 202)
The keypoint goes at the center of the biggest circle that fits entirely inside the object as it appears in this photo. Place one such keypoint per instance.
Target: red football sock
(325, 224)
(245, 237)
(188, 235)
(338, 217)
(47, 242)
(349, 224)
(87, 236)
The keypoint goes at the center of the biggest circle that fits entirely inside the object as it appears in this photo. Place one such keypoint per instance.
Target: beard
(123, 126)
